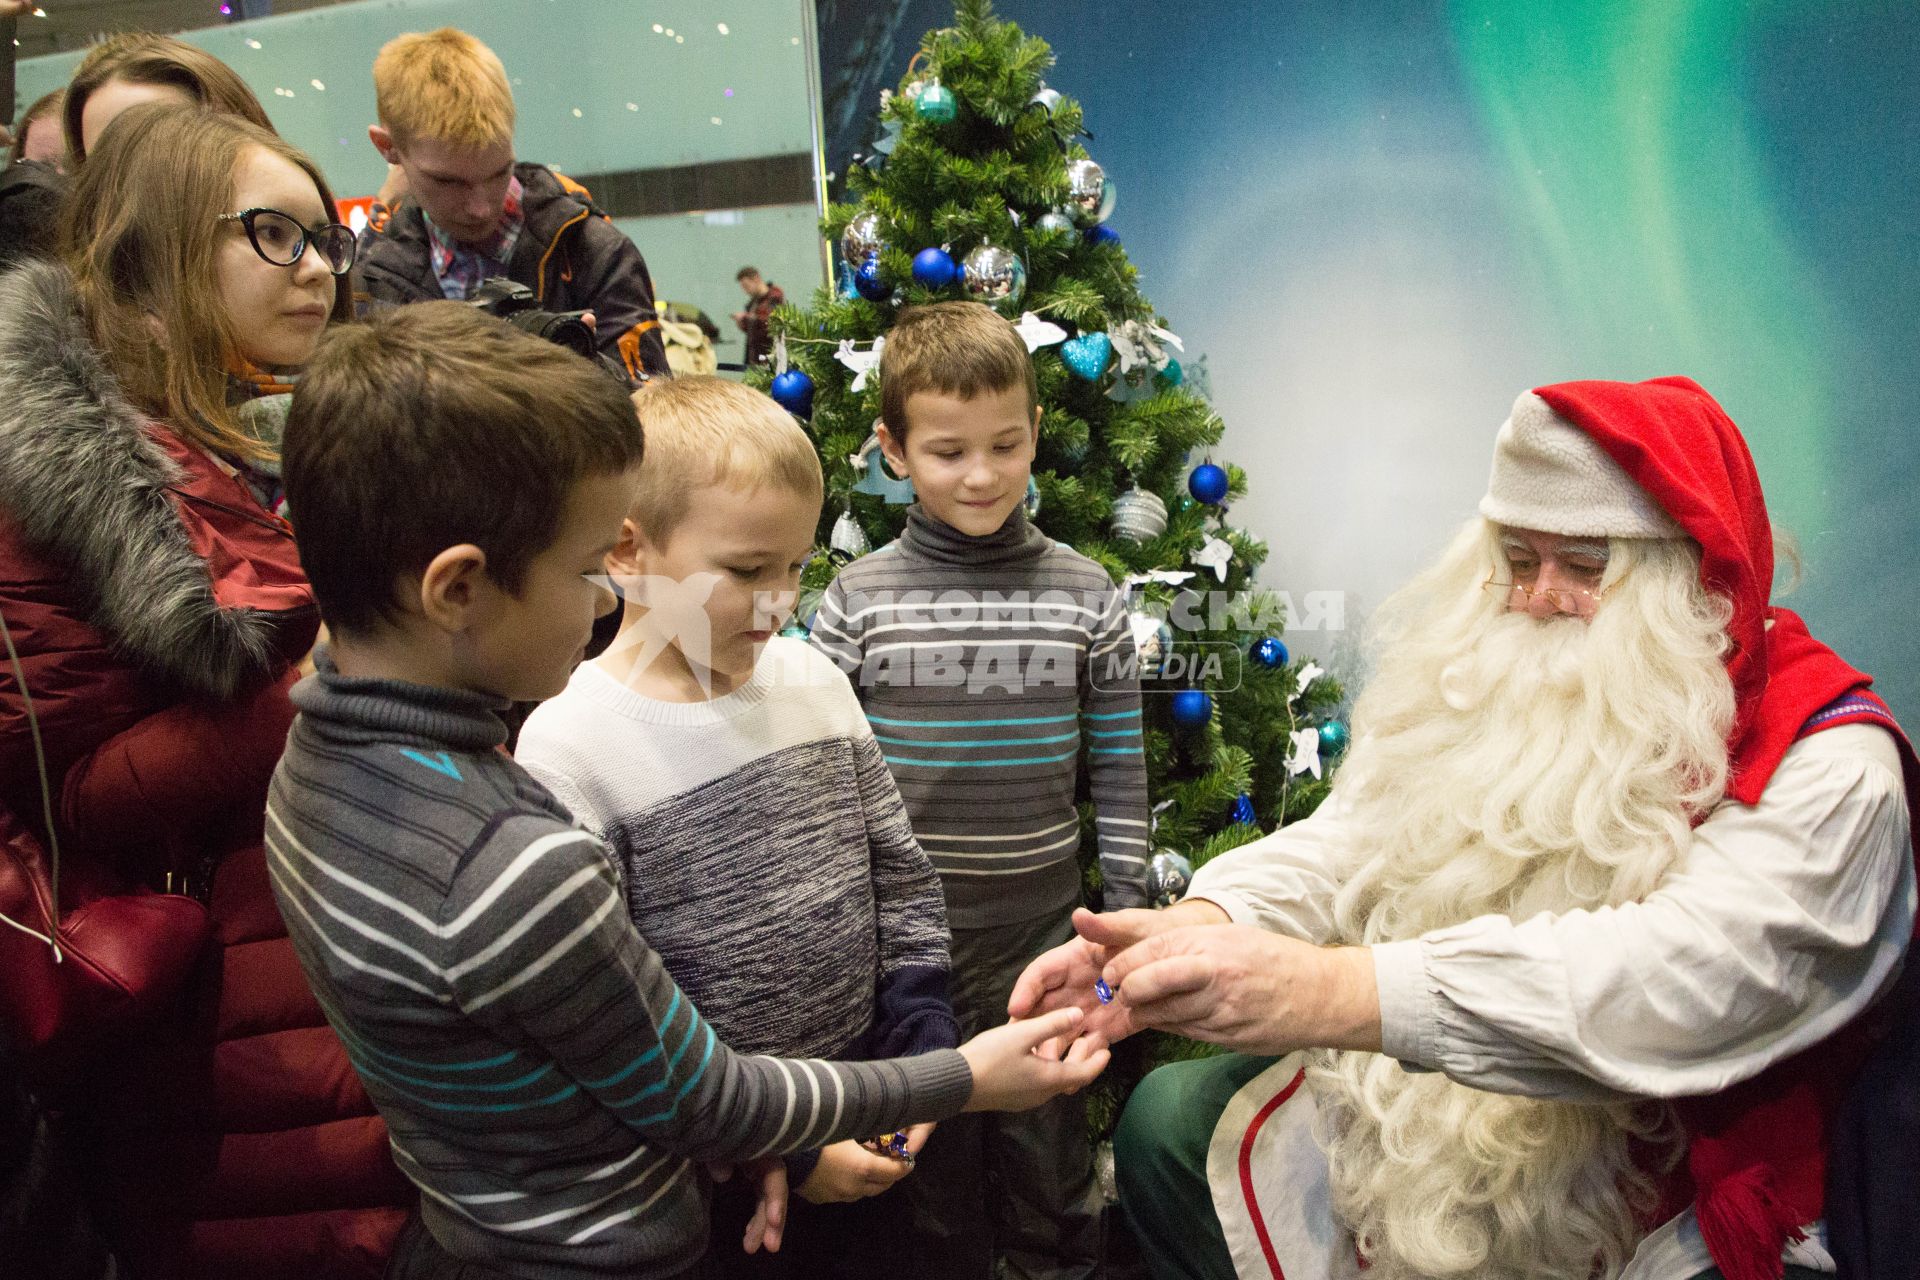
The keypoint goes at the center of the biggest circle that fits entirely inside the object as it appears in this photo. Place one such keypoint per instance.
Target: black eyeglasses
(280, 239)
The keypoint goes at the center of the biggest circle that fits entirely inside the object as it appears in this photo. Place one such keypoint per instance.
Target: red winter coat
(158, 611)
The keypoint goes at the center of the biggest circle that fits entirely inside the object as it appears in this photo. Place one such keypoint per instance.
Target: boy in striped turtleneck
(992, 662)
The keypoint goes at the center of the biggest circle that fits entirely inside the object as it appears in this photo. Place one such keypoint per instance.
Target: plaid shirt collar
(460, 268)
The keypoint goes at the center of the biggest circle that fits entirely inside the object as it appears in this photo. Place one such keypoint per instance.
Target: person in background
(762, 297)
(37, 133)
(469, 212)
(159, 611)
(138, 66)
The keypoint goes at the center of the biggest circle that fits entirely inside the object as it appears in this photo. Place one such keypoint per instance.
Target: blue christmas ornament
(1192, 708)
(1208, 484)
(1243, 810)
(793, 391)
(934, 268)
(936, 103)
(844, 285)
(867, 279)
(1102, 234)
(1087, 355)
(1333, 737)
(1171, 376)
(1269, 653)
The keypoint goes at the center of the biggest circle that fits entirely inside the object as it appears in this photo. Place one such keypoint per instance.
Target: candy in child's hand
(1101, 989)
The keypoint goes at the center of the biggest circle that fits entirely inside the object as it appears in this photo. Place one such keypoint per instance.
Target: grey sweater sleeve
(1116, 761)
(572, 976)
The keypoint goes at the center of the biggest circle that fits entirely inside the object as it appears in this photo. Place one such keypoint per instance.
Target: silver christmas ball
(1168, 875)
(1055, 221)
(1046, 99)
(848, 537)
(861, 238)
(1152, 637)
(1089, 194)
(1139, 515)
(994, 275)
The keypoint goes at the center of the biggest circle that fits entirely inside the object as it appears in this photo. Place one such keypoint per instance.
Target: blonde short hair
(443, 85)
(704, 431)
(959, 349)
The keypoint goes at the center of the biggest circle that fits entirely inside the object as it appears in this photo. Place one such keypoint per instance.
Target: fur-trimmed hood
(86, 483)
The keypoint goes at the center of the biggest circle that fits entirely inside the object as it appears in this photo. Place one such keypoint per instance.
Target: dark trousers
(852, 1241)
(1016, 1187)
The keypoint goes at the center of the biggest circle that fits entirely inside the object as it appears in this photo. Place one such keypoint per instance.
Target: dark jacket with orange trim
(570, 254)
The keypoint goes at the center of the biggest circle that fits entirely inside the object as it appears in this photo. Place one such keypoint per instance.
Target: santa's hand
(1249, 990)
(1064, 977)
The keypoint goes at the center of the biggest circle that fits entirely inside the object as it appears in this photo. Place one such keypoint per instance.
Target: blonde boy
(470, 213)
(767, 854)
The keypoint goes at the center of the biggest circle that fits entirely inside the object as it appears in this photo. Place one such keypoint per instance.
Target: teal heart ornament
(1087, 355)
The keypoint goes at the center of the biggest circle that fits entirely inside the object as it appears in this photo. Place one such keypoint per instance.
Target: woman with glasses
(158, 610)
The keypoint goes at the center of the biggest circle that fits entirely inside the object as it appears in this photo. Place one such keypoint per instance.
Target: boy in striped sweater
(545, 1083)
(993, 664)
(733, 775)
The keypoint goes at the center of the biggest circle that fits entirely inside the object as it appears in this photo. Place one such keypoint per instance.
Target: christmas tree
(978, 187)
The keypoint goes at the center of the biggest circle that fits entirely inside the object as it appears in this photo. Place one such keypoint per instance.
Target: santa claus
(1578, 961)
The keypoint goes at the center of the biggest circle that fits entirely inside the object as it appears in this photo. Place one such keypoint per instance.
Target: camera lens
(563, 328)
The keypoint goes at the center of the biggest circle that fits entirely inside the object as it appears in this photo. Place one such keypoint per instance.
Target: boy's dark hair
(744, 272)
(959, 349)
(435, 425)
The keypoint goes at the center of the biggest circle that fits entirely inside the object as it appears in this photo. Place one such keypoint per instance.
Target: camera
(514, 302)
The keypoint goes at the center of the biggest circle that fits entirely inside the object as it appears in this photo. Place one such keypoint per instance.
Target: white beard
(1505, 765)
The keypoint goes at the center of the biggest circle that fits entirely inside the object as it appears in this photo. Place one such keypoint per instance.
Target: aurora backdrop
(1381, 222)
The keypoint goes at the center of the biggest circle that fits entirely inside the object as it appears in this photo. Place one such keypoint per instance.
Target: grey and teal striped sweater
(546, 1084)
(990, 669)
